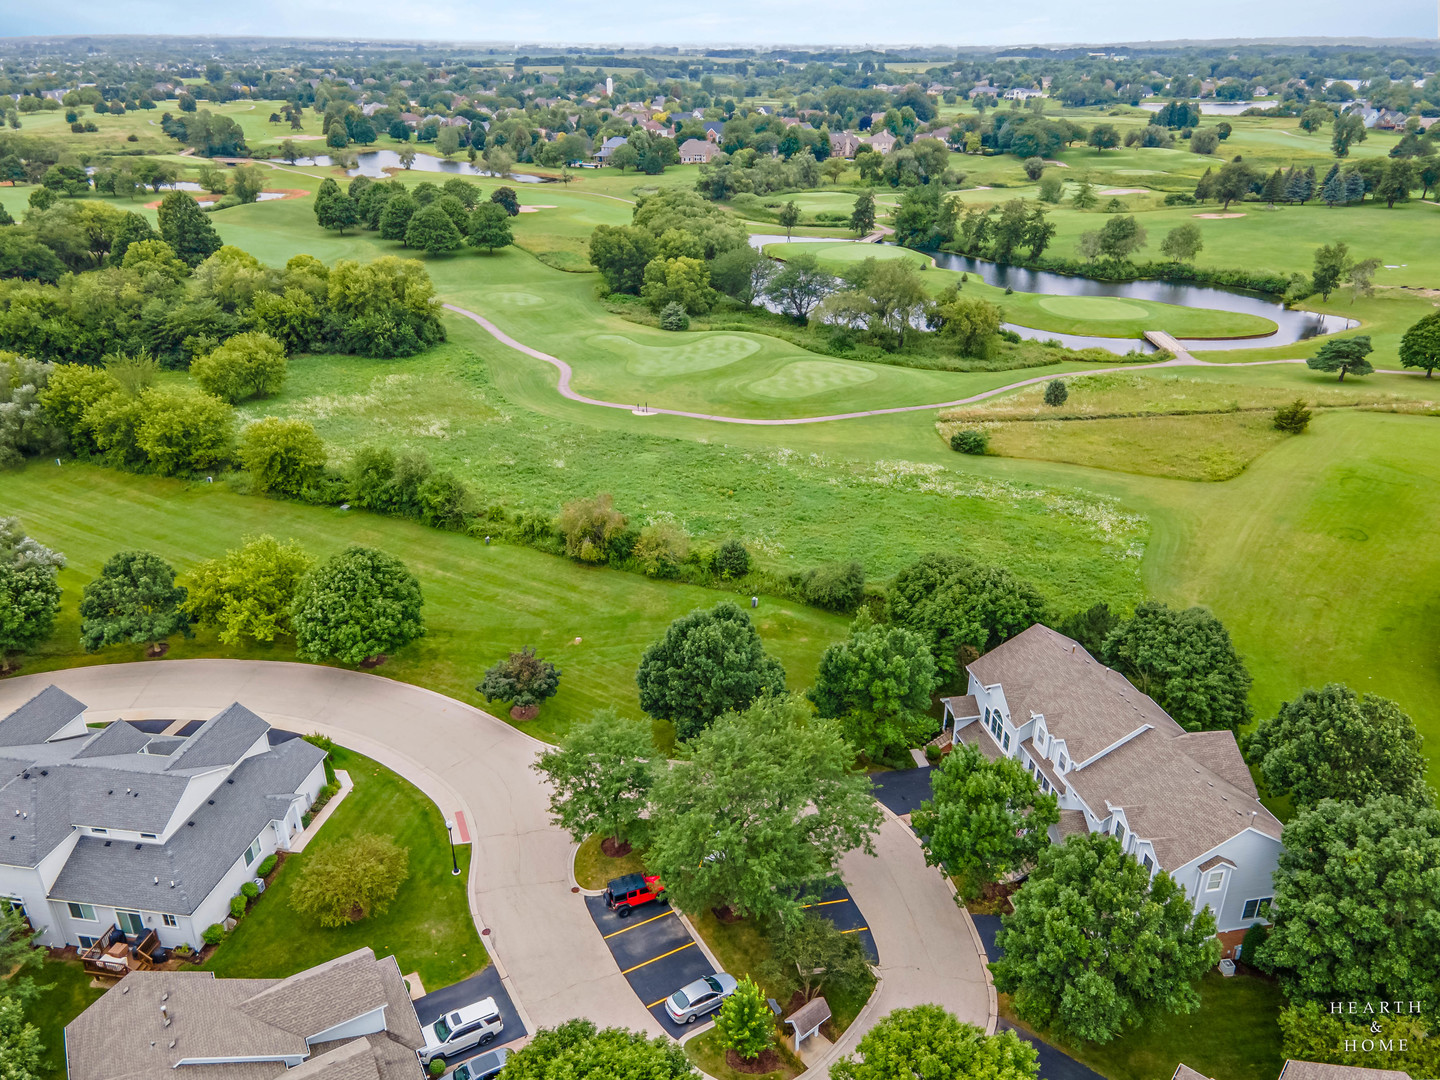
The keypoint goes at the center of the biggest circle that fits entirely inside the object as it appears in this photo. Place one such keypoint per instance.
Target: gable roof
(221, 740)
(1315, 1070)
(125, 1035)
(121, 873)
(39, 718)
(1184, 792)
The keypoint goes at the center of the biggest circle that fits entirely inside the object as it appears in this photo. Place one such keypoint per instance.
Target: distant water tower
(609, 86)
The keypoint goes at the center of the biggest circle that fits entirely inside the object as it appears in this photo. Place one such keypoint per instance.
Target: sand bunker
(1124, 191)
(536, 209)
(1216, 217)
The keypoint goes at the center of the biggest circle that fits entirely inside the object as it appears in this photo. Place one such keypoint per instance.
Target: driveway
(488, 983)
(547, 952)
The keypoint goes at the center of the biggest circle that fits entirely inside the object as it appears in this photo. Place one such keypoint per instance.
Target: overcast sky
(839, 22)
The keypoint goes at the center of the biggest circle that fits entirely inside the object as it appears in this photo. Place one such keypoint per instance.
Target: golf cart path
(540, 935)
(1182, 359)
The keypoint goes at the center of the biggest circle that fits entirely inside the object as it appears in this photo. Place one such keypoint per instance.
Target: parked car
(625, 894)
(481, 1066)
(702, 996)
(459, 1029)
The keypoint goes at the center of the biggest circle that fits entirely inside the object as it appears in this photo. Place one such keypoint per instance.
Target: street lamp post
(454, 863)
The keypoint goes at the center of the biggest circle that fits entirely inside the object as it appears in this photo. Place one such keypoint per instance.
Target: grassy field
(594, 869)
(706, 1054)
(1233, 1035)
(481, 601)
(67, 993)
(427, 928)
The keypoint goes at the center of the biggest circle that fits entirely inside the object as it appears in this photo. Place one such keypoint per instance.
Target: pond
(1223, 108)
(1291, 325)
(375, 162)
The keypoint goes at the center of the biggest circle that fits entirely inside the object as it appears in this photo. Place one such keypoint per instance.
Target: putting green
(806, 378)
(515, 297)
(697, 354)
(1099, 308)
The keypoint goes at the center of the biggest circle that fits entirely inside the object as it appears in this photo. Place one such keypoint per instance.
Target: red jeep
(625, 894)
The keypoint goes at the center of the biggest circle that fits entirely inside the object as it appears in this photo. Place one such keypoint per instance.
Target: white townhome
(1179, 801)
(117, 831)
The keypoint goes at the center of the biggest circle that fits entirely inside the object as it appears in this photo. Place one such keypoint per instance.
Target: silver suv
(460, 1029)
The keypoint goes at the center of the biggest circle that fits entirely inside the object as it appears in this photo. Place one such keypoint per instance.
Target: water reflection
(375, 162)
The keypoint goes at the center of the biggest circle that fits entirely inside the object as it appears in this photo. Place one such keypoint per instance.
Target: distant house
(843, 144)
(347, 1019)
(714, 130)
(371, 108)
(123, 832)
(762, 110)
(985, 90)
(655, 127)
(410, 119)
(1310, 1070)
(609, 146)
(1020, 93)
(698, 152)
(1178, 801)
(882, 143)
(455, 121)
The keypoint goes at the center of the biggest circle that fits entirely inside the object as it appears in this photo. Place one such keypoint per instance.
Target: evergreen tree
(1205, 187)
(1274, 190)
(1354, 187)
(1333, 189)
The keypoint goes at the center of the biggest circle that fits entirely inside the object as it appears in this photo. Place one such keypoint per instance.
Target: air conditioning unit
(259, 883)
(1227, 967)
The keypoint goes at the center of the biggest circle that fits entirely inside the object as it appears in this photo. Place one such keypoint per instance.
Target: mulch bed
(159, 649)
(614, 849)
(373, 661)
(726, 915)
(524, 712)
(768, 1061)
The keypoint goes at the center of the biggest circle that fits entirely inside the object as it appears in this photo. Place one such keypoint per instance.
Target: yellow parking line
(826, 903)
(662, 956)
(633, 925)
(654, 1003)
(856, 930)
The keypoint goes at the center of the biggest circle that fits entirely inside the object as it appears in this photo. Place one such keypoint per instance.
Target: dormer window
(1120, 832)
(1063, 762)
(1214, 880)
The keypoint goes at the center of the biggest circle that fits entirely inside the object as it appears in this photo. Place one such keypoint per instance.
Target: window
(82, 911)
(1005, 742)
(1148, 862)
(1120, 832)
(1063, 762)
(101, 832)
(1029, 766)
(86, 941)
(131, 923)
(148, 836)
(252, 852)
(1257, 909)
(1045, 785)
(170, 920)
(1215, 880)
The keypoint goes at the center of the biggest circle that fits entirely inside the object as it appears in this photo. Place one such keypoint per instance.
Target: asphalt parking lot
(655, 952)
(839, 907)
(902, 791)
(486, 984)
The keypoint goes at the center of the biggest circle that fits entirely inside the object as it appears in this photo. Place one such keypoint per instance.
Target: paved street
(555, 965)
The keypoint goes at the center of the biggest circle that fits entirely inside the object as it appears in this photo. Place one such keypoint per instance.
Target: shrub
(523, 679)
(970, 441)
(238, 905)
(732, 559)
(246, 366)
(1055, 393)
(281, 455)
(591, 528)
(340, 885)
(437, 1066)
(673, 317)
(1179, 198)
(837, 586)
(267, 866)
(1034, 167)
(745, 1022)
(248, 891)
(214, 934)
(1293, 418)
(661, 549)
(932, 753)
(1250, 945)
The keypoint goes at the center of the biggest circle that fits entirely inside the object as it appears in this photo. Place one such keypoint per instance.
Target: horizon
(744, 24)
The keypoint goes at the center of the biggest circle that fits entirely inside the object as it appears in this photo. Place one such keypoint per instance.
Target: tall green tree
(396, 215)
(1348, 129)
(358, 605)
(134, 600)
(1355, 916)
(878, 684)
(246, 593)
(925, 1042)
(1332, 263)
(186, 228)
(20, 1046)
(789, 217)
(1345, 355)
(862, 216)
(745, 1023)
(1095, 945)
(1233, 182)
(707, 663)
(758, 813)
(577, 1050)
(811, 954)
(1333, 743)
(1420, 345)
(29, 593)
(1185, 660)
(985, 819)
(344, 883)
(334, 209)
(1183, 242)
(522, 678)
(600, 777)
(432, 231)
(490, 227)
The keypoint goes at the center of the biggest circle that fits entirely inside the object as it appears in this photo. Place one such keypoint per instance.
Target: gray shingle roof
(320, 997)
(1314, 1070)
(123, 1036)
(113, 739)
(121, 874)
(220, 740)
(39, 718)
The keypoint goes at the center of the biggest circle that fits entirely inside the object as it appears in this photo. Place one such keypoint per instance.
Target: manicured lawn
(706, 1053)
(1233, 1035)
(594, 869)
(428, 927)
(481, 601)
(66, 995)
